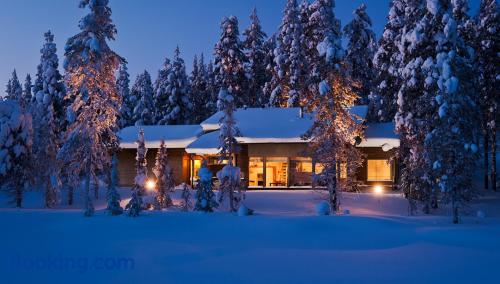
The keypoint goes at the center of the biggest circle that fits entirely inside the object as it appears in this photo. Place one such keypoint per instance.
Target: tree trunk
(231, 199)
(96, 187)
(494, 159)
(19, 196)
(486, 157)
(455, 214)
(70, 195)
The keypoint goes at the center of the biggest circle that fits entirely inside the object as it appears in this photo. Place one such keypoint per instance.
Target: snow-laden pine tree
(142, 94)
(134, 206)
(256, 64)
(334, 132)
(14, 89)
(199, 91)
(272, 78)
(49, 122)
(160, 94)
(229, 62)
(205, 197)
(123, 89)
(114, 208)
(15, 150)
(164, 178)
(386, 62)
(90, 67)
(453, 143)
(230, 175)
(211, 90)
(323, 41)
(417, 106)
(27, 94)
(361, 47)
(290, 60)
(178, 108)
(488, 45)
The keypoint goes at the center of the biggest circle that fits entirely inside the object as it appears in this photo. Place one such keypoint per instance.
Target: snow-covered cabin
(273, 153)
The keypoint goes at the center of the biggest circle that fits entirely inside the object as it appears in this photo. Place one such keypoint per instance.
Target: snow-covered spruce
(416, 104)
(333, 134)
(229, 62)
(361, 47)
(487, 45)
(123, 89)
(142, 95)
(134, 206)
(186, 203)
(113, 198)
(90, 67)
(256, 63)
(15, 149)
(27, 97)
(177, 108)
(14, 90)
(230, 175)
(205, 197)
(290, 61)
(164, 179)
(452, 143)
(323, 40)
(200, 91)
(386, 61)
(48, 123)
(272, 79)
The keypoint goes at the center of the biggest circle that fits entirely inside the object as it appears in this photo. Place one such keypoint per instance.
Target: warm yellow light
(150, 185)
(378, 189)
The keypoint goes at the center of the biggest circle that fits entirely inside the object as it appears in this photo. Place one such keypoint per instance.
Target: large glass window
(256, 172)
(301, 171)
(379, 170)
(276, 172)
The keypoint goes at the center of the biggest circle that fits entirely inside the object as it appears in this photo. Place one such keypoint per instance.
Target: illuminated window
(343, 169)
(276, 172)
(301, 171)
(196, 166)
(379, 170)
(256, 172)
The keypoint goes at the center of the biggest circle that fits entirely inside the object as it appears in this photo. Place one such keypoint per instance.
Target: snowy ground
(284, 243)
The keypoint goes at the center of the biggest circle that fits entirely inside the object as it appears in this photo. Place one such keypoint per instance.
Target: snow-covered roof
(380, 135)
(207, 144)
(175, 136)
(272, 125)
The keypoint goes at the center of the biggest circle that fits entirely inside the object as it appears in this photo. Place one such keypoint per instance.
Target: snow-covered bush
(205, 197)
(230, 186)
(164, 179)
(322, 208)
(15, 149)
(244, 211)
(186, 203)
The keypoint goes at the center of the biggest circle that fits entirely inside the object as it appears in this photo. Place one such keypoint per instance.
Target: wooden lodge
(273, 155)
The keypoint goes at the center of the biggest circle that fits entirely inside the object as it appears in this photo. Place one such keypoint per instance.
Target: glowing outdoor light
(150, 185)
(378, 189)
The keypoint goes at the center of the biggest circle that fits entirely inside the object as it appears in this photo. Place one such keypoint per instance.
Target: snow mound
(322, 208)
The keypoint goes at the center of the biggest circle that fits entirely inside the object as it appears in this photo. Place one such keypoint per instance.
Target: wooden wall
(376, 153)
(178, 160)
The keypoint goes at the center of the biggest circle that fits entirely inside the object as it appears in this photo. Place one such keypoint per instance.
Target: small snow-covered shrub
(323, 208)
(480, 214)
(347, 211)
(244, 211)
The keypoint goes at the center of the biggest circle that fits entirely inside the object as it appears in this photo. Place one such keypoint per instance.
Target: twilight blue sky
(148, 30)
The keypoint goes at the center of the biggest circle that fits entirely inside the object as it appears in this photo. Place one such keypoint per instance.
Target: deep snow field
(283, 243)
